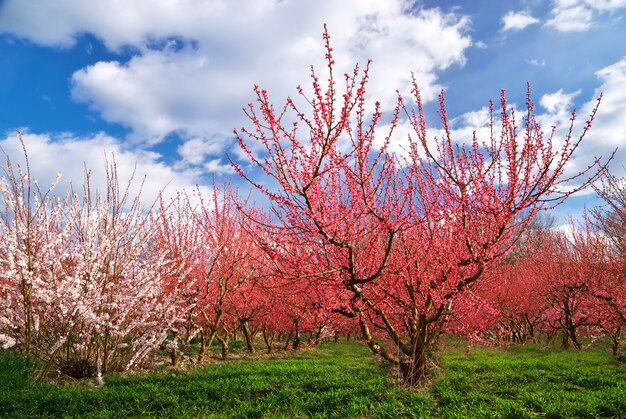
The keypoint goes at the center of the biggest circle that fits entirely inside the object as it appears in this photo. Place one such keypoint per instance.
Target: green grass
(340, 380)
(531, 381)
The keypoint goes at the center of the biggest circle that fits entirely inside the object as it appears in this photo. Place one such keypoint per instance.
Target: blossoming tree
(406, 234)
(81, 285)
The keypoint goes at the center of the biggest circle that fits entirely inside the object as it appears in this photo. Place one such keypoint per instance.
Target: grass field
(340, 380)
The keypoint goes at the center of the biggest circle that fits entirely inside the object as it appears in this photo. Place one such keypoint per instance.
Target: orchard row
(402, 237)
(560, 284)
(94, 282)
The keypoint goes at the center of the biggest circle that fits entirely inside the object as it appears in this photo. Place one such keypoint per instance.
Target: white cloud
(474, 119)
(49, 155)
(197, 60)
(480, 45)
(537, 62)
(160, 92)
(195, 150)
(217, 165)
(516, 21)
(578, 15)
(116, 23)
(558, 102)
(608, 131)
(606, 5)
(609, 127)
(571, 19)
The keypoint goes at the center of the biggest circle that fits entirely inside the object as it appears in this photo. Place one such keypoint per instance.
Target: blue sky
(161, 83)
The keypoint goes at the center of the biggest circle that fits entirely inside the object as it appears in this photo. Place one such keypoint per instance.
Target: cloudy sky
(162, 83)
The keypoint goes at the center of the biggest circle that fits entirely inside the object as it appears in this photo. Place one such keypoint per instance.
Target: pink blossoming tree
(404, 235)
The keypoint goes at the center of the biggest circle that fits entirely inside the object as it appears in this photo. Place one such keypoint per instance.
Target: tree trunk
(175, 357)
(571, 334)
(224, 341)
(296, 339)
(318, 335)
(268, 339)
(411, 357)
(206, 341)
(615, 338)
(203, 347)
(575, 341)
(569, 325)
(615, 347)
(247, 335)
(414, 370)
(288, 341)
(28, 320)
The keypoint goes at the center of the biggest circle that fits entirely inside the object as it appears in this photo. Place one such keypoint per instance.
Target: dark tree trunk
(296, 339)
(569, 325)
(574, 339)
(247, 335)
(288, 340)
(224, 342)
(570, 335)
(175, 357)
(414, 370)
(411, 353)
(615, 347)
(318, 335)
(268, 338)
(206, 341)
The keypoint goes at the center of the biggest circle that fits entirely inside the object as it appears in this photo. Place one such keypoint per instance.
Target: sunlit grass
(340, 380)
(530, 380)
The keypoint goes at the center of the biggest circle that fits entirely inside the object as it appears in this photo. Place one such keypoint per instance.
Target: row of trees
(564, 282)
(93, 282)
(403, 246)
